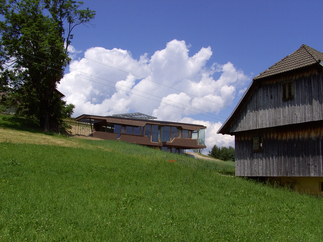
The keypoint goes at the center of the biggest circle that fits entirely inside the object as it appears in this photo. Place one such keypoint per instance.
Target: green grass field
(55, 188)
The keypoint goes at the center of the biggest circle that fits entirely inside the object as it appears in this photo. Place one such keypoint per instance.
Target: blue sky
(141, 40)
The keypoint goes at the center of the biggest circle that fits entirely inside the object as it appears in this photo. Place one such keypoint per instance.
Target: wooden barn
(278, 123)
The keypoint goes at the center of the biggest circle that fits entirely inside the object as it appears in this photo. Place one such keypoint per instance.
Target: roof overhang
(86, 118)
(256, 82)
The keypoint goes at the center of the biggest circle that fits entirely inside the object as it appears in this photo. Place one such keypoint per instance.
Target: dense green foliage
(223, 153)
(17, 123)
(115, 191)
(33, 55)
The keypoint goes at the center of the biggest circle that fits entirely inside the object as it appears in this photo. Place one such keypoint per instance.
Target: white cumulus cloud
(170, 84)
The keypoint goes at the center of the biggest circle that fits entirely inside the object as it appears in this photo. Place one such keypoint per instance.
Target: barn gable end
(278, 124)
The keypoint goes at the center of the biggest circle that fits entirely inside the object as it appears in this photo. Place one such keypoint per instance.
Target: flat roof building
(145, 130)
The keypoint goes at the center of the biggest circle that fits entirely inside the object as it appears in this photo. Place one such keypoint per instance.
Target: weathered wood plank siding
(288, 153)
(266, 107)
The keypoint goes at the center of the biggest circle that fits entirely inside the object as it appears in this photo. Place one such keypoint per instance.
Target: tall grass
(125, 192)
(88, 190)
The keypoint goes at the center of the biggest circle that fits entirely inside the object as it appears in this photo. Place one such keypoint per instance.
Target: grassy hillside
(55, 188)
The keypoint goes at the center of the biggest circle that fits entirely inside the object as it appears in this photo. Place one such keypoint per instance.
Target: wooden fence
(79, 128)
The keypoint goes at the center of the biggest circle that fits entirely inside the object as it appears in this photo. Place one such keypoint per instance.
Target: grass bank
(114, 191)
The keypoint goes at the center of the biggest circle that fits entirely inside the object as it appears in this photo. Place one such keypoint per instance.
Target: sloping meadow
(114, 191)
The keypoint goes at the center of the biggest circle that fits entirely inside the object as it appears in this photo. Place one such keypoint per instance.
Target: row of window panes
(164, 133)
(152, 132)
(121, 129)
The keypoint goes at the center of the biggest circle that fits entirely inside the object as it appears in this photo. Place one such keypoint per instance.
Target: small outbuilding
(278, 123)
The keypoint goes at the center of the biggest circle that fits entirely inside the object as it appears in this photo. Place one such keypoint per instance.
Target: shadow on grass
(24, 124)
(17, 123)
(222, 167)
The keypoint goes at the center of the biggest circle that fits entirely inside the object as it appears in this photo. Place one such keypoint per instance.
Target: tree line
(223, 153)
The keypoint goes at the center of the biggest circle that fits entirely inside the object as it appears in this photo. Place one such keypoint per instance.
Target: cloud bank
(170, 85)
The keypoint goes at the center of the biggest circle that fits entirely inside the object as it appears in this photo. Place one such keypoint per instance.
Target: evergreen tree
(231, 153)
(215, 152)
(223, 153)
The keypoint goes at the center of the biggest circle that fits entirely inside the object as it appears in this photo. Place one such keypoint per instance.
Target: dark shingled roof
(304, 56)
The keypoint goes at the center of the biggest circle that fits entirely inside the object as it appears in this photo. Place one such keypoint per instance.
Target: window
(287, 91)
(117, 129)
(148, 130)
(165, 133)
(164, 148)
(195, 135)
(137, 130)
(174, 150)
(186, 134)
(129, 129)
(174, 132)
(202, 137)
(110, 128)
(154, 133)
(258, 144)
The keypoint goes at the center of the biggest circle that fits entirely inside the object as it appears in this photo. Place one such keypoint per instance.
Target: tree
(35, 36)
(223, 153)
(232, 153)
(215, 152)
(68, 110)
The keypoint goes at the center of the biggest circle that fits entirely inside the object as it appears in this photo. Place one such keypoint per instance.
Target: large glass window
(165, 133)
(148, 130)
(117, 129)
(186, 134)
(159, 129)
(129, 130)
(194, 134)
(110, 128)
(174, 132)
(137, 130)
(202, 137)
(154, 133)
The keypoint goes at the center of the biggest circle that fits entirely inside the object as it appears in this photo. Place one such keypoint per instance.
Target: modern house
(278, 123)
(145, 130)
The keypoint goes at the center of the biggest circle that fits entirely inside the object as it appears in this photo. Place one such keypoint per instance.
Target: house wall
(290, 152)
(266, 108)
(309, 185)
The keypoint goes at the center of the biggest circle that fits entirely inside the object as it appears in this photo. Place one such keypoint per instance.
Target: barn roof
(303, 57)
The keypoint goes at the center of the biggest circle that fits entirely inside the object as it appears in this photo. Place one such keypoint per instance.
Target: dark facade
(278, 124)
(169, 136)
